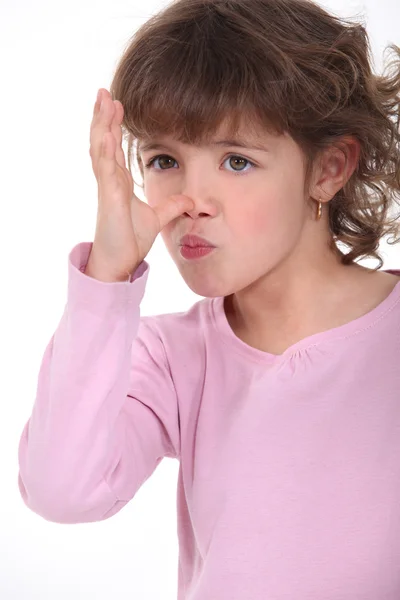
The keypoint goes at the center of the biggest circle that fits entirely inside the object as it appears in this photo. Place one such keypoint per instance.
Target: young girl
(261, 128)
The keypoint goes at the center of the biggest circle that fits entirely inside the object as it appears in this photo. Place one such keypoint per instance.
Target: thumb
(171, 208)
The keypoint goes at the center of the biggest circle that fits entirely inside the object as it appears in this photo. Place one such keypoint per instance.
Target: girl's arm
(106, 411)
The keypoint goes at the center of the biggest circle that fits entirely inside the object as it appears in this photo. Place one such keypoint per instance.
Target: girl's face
(249, 203)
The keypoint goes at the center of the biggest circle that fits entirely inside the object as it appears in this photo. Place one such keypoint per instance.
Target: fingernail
(98, 95)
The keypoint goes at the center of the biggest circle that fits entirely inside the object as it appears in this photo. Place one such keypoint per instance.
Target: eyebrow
(235, 143)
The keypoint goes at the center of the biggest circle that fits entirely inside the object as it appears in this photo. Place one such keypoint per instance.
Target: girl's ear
(335, 167)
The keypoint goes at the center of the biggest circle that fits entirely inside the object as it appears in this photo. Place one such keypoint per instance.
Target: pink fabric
(289, 480)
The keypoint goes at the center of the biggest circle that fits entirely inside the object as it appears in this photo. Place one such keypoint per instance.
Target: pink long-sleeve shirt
(289, 478)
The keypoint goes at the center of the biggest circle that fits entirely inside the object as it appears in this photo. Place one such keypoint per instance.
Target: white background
(54, 57)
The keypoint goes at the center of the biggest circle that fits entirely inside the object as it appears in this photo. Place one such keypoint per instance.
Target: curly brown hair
(291, 67)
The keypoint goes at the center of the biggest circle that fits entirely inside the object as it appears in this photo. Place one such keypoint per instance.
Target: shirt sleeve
(106, 410)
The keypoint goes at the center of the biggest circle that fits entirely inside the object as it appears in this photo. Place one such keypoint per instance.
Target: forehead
(247, 135)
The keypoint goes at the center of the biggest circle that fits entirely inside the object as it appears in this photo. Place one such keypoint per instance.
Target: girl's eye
(236, 161)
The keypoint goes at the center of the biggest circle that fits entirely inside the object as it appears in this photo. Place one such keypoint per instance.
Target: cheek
(259, 218)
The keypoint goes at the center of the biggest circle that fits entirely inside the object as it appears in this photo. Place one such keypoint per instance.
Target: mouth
(194, 241)
(193, 252)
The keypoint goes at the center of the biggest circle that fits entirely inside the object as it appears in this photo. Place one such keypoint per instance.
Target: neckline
(346, 330)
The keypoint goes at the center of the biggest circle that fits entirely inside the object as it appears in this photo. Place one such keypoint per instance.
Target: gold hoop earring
(319, 213)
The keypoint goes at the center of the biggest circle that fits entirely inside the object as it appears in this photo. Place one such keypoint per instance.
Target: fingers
(107, 166)
(117, 131)
(172, 208)
(98, 102)
(107, 118)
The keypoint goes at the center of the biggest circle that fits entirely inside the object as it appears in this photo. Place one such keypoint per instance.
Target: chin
(202, 284)
(202, 289)
(207, 286)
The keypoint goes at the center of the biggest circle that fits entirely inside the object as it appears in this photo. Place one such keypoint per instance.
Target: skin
(272, 263)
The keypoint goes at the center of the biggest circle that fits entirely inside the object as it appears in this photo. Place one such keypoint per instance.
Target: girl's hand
(126, 227)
